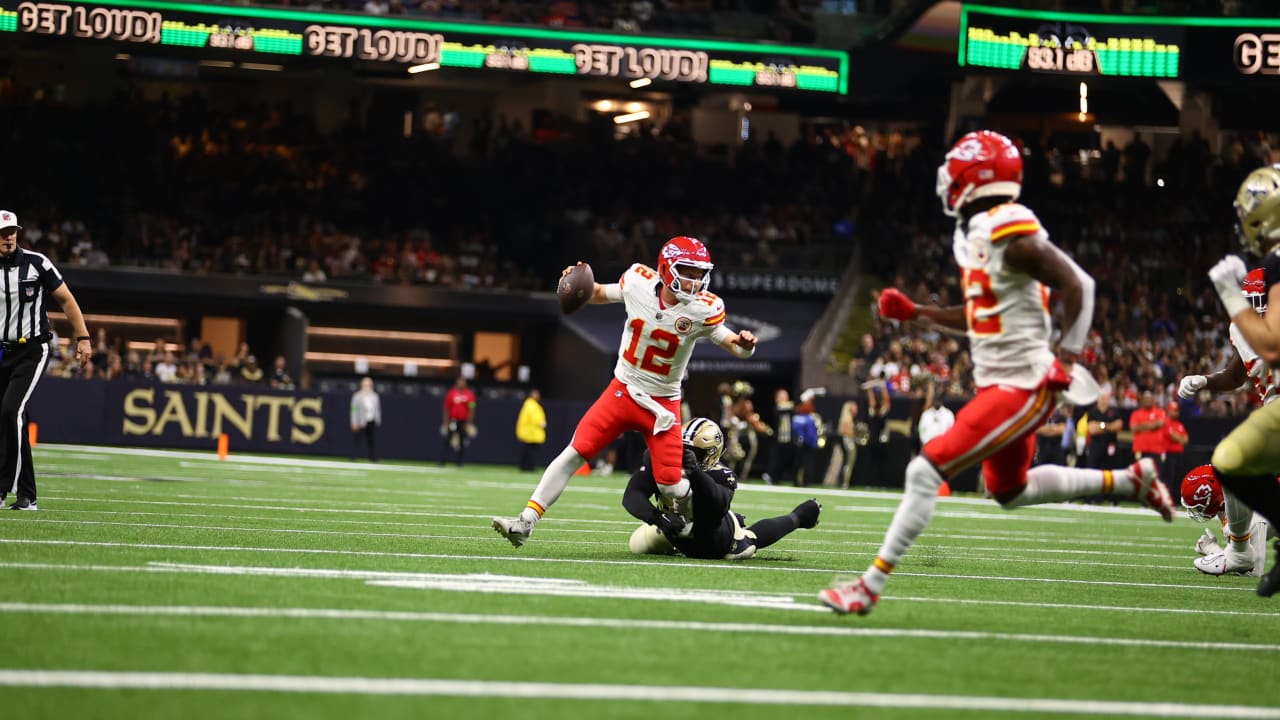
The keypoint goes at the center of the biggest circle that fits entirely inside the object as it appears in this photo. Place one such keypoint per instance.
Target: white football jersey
(1007, 312)
(1261, 377)
(657, 341)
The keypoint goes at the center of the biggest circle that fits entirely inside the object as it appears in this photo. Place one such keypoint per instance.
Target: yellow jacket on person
(531, 425)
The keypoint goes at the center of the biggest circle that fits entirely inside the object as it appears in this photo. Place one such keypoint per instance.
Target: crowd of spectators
(166, 361)
(176, 185)
(1146, 229)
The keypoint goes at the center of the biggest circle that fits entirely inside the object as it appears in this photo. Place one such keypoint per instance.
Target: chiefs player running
(1008, 267)
(1240, 556)
(1204, 500)
(668, 310)
(1247, 459)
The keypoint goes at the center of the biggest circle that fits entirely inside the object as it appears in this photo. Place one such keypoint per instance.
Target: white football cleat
(1148, 489)
(515, 530)
(1207, 544)
(851, 598)
(1227, 562)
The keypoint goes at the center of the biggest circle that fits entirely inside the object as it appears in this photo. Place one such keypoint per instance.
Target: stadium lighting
(424, 67)
(641, 82)
(630, 117)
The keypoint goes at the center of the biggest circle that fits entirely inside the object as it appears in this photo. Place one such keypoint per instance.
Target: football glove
(894, 305)
(1227, 276)
(669, 523)
(690, 459)
(1191, 385)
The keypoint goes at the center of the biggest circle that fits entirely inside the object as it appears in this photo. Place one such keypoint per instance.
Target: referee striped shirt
(26, 284)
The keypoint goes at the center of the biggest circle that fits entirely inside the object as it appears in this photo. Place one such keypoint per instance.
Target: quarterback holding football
(668, 310)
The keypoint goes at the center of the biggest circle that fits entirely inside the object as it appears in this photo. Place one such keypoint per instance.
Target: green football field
(173, 585)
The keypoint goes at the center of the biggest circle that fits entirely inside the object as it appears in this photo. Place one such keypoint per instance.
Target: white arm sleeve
(724, 337)
(613, 292)
(1073, 337)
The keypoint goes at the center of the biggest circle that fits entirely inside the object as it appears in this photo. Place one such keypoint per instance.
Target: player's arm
(1228, 377)
(635, 499)
(1035, 256)
(1262, 332)
(742, 343)
(893, 304)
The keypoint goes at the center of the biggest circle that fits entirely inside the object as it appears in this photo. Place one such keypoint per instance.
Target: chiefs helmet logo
(1203, 495)
(967, 150)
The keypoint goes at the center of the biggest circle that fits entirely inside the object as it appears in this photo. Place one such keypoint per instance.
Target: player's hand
(690, 459)
(570, 268)
(745, 340)
(670, 523)
(894, 305)
(1191, 385)
(1227, 275)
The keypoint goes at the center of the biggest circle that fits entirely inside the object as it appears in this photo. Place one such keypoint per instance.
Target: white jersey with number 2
(1007, 312)
(658, 340)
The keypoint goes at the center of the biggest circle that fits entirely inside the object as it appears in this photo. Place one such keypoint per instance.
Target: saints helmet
(1258, 209)
(703, 437)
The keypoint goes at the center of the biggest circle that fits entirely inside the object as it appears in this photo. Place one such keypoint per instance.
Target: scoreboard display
(1068, 43)
(263, 32)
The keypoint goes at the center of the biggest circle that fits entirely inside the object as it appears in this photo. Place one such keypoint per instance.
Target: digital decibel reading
(1036, 42)
(409, 41)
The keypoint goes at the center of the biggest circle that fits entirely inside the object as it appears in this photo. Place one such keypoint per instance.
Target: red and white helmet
(980, 164)
(1254, 289)
(678, 254)
(1202, 494)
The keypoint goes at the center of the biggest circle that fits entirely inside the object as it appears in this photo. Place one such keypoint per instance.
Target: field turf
(173, 585)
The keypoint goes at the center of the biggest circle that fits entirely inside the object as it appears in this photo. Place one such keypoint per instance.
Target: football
(575, 288)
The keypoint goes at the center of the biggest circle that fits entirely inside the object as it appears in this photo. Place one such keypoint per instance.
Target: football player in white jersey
(1245, 531)
(668, 310)
(1204, 500)
(1008, 268)
(1247, 459)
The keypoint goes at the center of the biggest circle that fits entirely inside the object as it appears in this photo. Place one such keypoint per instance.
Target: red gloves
(894, 305)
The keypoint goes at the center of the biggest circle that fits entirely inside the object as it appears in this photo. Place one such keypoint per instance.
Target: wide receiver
(1241, 555)
(1008, 267)
(717, 532)
(668, 310)
(1246, 460)
(1204, 500)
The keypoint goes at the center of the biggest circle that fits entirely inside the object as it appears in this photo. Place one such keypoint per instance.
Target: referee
(26, 279)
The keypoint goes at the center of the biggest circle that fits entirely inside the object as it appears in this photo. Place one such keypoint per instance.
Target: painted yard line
(55, 450)
(242, 467)
(1075, 606)
(614, 623)
(791, 543)
(179, 568)
(569, 691)
(577, 561)
(399, 509)
(1007, 554)
(887, 494)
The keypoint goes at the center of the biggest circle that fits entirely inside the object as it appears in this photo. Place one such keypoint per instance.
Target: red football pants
(998, 429)
(614, 413)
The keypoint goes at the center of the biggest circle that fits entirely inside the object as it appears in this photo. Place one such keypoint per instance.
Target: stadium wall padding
(260, 420)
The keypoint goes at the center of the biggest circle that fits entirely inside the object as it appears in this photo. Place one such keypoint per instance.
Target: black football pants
(20, 370)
